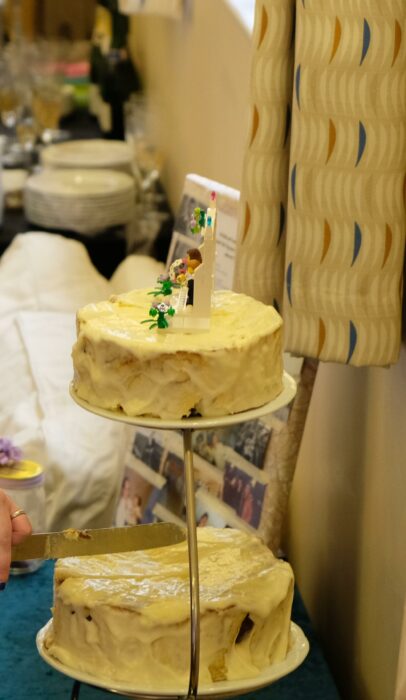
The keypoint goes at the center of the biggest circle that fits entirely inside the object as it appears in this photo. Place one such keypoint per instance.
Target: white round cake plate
(197, 423)
(87, 153)
(298, 650)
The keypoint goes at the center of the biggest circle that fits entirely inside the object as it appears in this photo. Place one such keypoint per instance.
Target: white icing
(235, 365)
(138, 609)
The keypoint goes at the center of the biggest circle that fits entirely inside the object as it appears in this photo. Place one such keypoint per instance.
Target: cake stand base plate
(298, 650)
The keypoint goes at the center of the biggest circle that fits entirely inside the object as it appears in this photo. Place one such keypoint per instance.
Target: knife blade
(78, 543)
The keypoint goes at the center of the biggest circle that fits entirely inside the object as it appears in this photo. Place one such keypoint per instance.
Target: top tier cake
(234, 365)
(196, 351)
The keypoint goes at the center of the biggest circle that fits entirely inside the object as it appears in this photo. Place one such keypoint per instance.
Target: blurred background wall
(75, 17)
(46, 18)
(196, 73)
(347, 523)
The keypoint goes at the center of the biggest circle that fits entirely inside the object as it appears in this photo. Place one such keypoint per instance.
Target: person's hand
(14, 528)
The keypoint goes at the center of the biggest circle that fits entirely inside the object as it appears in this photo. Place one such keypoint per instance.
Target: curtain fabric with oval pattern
(322, 230)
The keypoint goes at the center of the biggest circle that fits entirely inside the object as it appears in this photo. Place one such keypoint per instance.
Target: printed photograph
(210, 445)
(208, 477)
(162, 515)
(148, 449)
(250, 440)
(213, 512)
(172, 494)
(207, 516)
(244, 494)
(137, 499)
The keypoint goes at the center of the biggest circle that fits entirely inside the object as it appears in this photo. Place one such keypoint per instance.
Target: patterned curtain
(322, 231)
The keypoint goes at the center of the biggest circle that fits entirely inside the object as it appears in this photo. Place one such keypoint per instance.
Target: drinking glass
(147, 164)
(10, 93)
(138, 127)
(27, 134)
(9, 105)
(47, 100)
(47, 108)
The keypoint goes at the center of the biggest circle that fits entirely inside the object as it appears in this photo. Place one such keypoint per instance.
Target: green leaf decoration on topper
(164, 286)
(158, 312)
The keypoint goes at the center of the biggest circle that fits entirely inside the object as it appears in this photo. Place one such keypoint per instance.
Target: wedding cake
(126, 617)
(121, 364)
(180, 349)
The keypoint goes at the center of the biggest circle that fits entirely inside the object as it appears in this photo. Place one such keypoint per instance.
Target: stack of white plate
(85, 201)
(88, 153)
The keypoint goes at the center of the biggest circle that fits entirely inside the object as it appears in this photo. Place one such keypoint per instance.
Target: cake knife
(77, 543)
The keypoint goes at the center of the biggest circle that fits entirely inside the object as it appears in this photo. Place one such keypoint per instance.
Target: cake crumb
(72, 534)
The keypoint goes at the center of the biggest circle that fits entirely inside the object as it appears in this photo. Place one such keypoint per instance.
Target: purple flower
(9, 453)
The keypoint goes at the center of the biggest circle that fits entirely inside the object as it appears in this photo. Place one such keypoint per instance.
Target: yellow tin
(23, 481)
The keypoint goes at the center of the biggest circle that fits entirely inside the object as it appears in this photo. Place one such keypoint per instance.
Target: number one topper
(184, 293)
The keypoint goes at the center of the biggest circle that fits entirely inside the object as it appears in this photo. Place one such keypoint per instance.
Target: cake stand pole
(75, 691)
(193, 563)
(193, 571)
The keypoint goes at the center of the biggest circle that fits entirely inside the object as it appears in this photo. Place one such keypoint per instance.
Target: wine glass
(27, 135)
(15, 83)
(9, 105)
(147, 163)
(47, 100)
(10, 91)
(47, 108)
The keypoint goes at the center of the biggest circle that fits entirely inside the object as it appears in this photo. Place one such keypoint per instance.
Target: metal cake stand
(187, 425)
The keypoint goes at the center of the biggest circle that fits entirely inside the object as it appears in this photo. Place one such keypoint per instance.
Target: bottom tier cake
(126, 617)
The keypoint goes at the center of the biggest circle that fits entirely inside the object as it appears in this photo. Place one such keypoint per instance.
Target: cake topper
(190, 280)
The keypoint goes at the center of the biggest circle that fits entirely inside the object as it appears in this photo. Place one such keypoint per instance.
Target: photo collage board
(230, 479)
